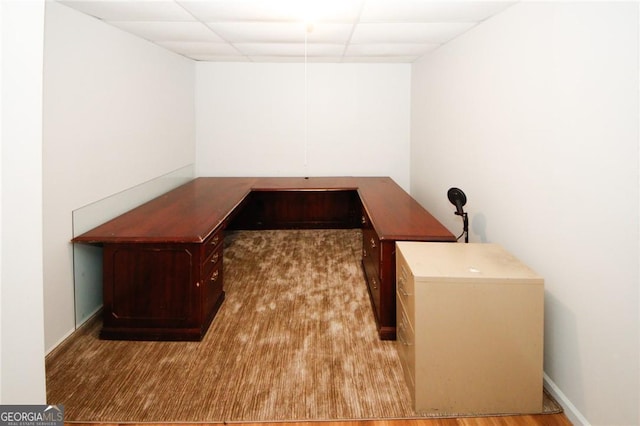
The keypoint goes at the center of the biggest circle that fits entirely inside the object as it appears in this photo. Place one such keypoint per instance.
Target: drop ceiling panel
(260, 32)
(323, 32)
(277, 30)
(408, 32)
(123, 10)
(272, 49)
(274, 10)
(290, 49)
(389, 49)
(430, 11)
(189, 48)
(379, 59)
(240, 10)
(281, 32)
(170, 31)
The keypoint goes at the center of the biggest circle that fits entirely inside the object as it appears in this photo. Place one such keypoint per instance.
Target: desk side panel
(87, 259)
(299, 209)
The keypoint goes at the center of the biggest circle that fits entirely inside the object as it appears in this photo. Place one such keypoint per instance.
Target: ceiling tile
(430, 11)
(269, 32)
(408, 32)
(276, 30)
(329, 32)
(324, 59)
(271, 49)
(170, 31)
(381, 59)
(236, 11)
(275, 58)
(282, 32)
(149, 10)
(189, 48)
(290, 49)
(297, 59)
(389, 49)
(331, 10)
(325, 49)
(273, 10)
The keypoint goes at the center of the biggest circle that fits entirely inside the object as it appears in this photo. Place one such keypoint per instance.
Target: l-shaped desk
(162, 261)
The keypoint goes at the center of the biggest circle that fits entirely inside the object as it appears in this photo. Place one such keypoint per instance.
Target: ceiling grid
(292, 30)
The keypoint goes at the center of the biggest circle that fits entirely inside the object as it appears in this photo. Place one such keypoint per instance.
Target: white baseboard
(70, 332)
(570, 410)
(59, 342)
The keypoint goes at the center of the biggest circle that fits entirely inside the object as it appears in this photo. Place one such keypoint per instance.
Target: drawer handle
(214, 241)
(373, 243)
(364, 253)
(404, 321)
(214, 259)
(401, 337)
(214, 276)
(374, 283)
(401, 288)
(403, 272)
(400, 333)
(364, 220)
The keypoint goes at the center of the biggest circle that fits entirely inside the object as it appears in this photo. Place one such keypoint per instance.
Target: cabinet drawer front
(365, 222)
(212, 280)
(371, 246)
(405, 346)
(373, 281)
(211, 289)
(405, 290)
(214, 260)
(213, 243)
(214, 277)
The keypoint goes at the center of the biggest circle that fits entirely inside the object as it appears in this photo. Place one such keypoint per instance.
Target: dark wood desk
(162, 261)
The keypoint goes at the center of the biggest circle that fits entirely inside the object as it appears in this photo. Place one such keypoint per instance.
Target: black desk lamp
(458, 199)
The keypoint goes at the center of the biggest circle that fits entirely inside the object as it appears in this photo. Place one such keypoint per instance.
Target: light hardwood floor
(529, 420)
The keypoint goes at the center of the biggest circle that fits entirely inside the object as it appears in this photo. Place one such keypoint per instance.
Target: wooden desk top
(191, 212)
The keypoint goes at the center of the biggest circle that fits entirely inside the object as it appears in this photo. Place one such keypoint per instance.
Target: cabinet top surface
(192, 211)
(462, 262)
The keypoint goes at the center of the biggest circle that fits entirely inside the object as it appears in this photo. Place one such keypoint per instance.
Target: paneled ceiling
(294, 30)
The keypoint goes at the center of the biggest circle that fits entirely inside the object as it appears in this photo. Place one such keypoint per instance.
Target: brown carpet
(294, 340)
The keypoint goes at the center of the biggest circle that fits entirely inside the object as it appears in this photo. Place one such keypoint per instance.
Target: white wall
(21, 315)
(251, 120)
(118, 111)
(534, 114)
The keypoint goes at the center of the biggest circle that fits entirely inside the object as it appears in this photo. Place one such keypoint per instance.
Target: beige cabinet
(469, 328)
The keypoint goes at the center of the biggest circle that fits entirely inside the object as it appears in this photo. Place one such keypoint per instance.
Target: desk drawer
(405, 288)
(212, 243)
(214, 277)
(213, 261)
(405, 344)
(212, 286)
(212, 280)
(371, 246)
(373, 281)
